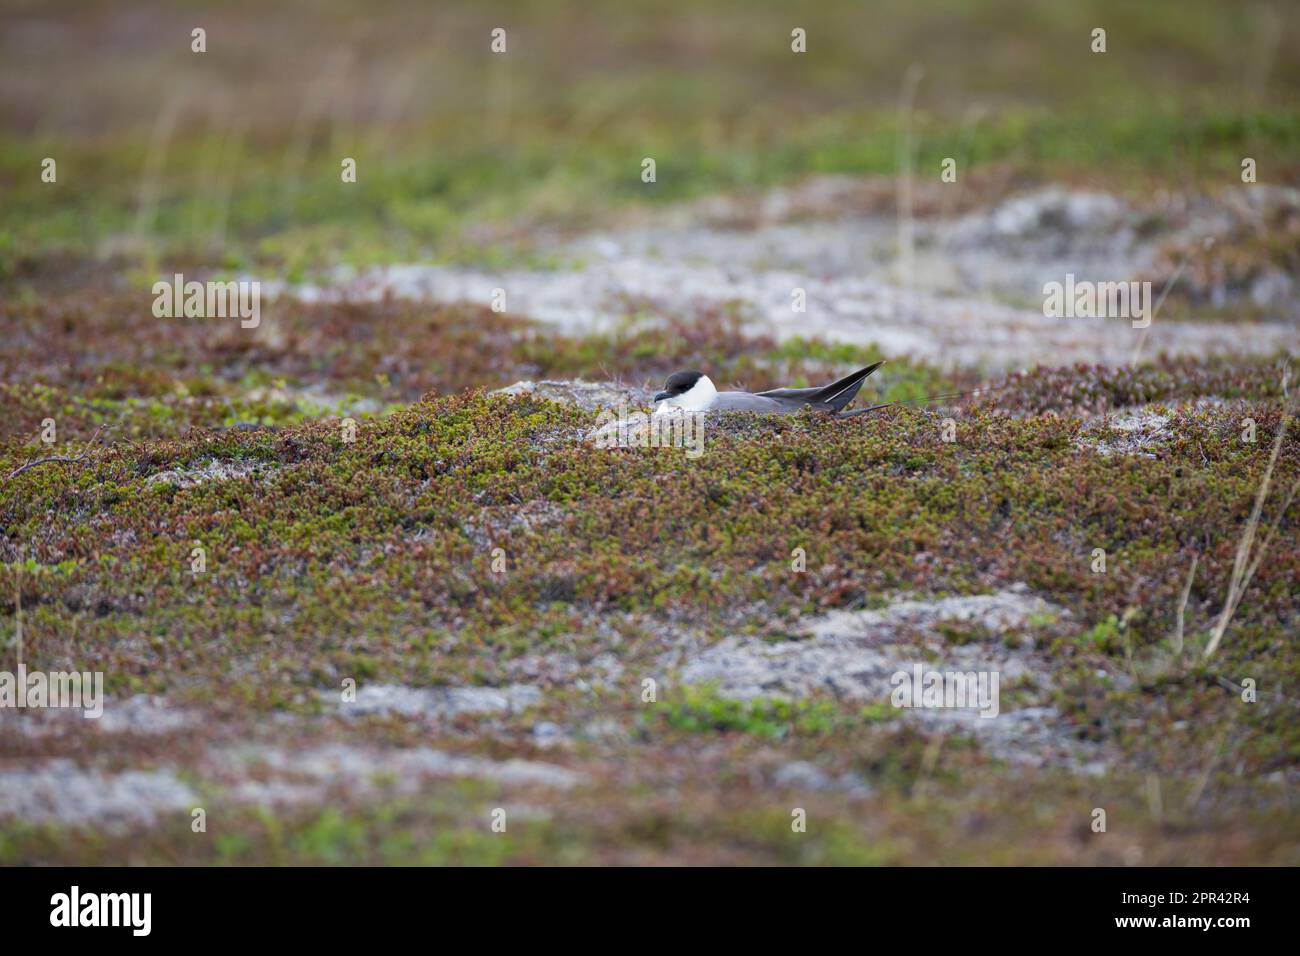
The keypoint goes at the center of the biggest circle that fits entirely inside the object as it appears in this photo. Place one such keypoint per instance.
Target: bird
(692, 391)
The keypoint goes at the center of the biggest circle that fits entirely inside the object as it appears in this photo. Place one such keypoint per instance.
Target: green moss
(703, 710)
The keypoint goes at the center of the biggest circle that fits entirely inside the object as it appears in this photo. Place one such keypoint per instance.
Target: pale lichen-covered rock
(435, 702)
(854, 655)
(589, 396)
(214, 470)
(269, 775)
(59, 792)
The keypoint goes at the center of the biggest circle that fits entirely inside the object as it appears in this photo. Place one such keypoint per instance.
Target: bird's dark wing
(799, 396)
(831, 397)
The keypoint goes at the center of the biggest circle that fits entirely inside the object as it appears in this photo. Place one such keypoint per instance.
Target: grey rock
(60, 792)
(214, 470)
(854, 655)
(435, 702)
(801, 775)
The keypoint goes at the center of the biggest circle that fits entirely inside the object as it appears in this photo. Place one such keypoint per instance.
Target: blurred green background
(230, 158)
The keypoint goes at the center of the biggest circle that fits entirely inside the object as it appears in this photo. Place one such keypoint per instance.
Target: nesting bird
(693, 391)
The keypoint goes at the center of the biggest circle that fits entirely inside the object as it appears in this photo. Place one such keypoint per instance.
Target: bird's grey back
(783, 401)
(749, 402)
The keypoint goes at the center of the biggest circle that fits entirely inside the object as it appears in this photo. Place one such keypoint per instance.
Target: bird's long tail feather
(838, 394)
(912, 401)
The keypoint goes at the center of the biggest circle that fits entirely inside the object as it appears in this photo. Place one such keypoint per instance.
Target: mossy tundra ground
(499, 590)
(523, 689)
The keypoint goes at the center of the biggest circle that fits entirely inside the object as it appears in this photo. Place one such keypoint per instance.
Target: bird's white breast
(698, 398)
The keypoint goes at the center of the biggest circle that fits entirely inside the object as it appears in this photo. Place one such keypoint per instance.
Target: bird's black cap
(679, 383)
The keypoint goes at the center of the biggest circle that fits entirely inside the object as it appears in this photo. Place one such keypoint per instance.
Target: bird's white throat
(698, 398)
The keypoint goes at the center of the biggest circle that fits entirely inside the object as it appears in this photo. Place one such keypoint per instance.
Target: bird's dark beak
(660, 396)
